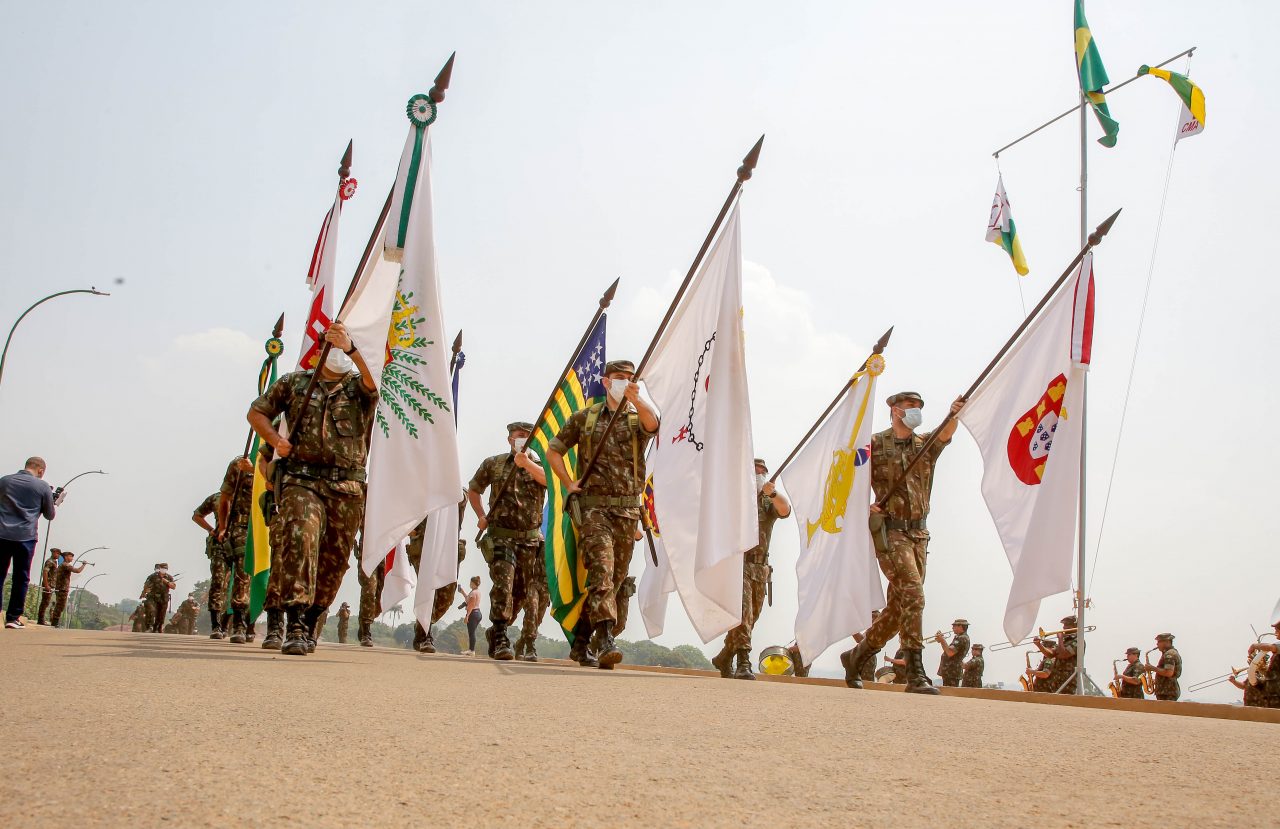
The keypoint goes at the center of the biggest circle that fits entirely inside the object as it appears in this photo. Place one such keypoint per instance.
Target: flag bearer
(770, 506)
(1168, 670)
(512, 542)
(226, 563)
(322, 478)
(608, 503)
(903, 543)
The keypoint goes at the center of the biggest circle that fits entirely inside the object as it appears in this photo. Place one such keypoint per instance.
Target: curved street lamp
(48, 526)
(5, 353)
(75, 607)
(86, 552)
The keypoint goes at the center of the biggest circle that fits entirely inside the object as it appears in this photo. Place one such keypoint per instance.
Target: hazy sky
(192, 153)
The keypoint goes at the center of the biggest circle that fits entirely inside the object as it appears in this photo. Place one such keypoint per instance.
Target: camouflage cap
(895, 399)
(1069, 621)
(1164, 636)
(962, 622)
(619, 365)
(162, 566)
(56, 550)
(519, 426)
(760, 462)
(979, 647)
(1134, 651)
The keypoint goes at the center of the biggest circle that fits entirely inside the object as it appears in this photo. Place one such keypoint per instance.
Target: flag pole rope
(1133, 364)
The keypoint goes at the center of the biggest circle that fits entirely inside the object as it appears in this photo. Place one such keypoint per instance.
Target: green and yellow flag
(581, 387)
(1093, 77)
(1192, 96)
(257, 549)
(1002, 231)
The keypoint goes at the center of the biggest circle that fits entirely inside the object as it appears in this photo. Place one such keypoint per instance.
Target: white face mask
(618, 388)
(519, 443)
(912, 418)
(760, 481)
(339, 363)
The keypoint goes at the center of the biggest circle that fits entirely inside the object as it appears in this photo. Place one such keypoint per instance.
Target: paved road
(137, 730)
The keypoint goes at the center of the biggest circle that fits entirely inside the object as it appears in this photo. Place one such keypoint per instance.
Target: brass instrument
(776, 660)
(1027, 679)
(1217, 680)
(1148, 677)
(946, 638)
(1117, 683)
(1041, 634)
(1258, 667)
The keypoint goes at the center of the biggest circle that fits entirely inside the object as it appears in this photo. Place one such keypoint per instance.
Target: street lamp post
(48, 525)
(75, 607)
(5, 353)
(86, 552)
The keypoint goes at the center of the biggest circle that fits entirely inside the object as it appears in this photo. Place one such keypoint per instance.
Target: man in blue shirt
(24, 497)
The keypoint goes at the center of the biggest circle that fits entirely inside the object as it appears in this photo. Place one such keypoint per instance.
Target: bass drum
(885, 675)
(775, 660)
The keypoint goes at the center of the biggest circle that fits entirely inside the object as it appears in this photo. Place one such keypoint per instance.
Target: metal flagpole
(1084, 408)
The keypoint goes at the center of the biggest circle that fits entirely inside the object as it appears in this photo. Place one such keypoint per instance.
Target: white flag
(399, 581)
(413, 454)
(441, 534)
(1188, 125)
(656, 584)
(1026, 420)
(320, 279)
(702, 460)
(829, 483)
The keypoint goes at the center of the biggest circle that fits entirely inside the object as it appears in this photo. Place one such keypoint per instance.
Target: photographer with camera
(24, 497)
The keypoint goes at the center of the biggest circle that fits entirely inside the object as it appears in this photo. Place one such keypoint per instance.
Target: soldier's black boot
(295, 634)
(366, 634)
(311, 619)
(500, 644)
(723, 662)
(250, 630)
(488, 638)
(797, 663)
(518, 647)
(742, 665)
(531, 650)
(853, 661)
(237, 627)
(606, 651)
(275, 631)
(427, 643)
(215, 619)
(917, 681)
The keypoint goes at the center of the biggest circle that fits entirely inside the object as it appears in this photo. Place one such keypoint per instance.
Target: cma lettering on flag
(1188, 125)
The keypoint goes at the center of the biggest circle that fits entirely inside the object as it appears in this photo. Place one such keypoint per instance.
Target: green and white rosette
(421, 111)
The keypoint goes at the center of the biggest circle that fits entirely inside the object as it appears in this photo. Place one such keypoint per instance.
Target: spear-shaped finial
(442, 80)
(279, 329)
(882, 342)
(1103, 229)
(749, 162)
(608, 295)
(344, 167)
(457, 342)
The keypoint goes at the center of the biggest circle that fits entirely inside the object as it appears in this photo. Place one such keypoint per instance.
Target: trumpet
(1040, 634)
(933, 640)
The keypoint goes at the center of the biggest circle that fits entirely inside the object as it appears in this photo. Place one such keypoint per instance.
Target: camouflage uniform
(344, 623)
(1132, 691)
(141, 621)
(609, 503)
(1045, 686)
(219, 573)
(1270, 684)
(1063, 666)
(904, 564)
(240, 485)
(755, 577)
(1166, 687)
(513, 541)
(155, 593)
(625, 592)
(185, 617)
(47, 575)
(951, 668)
(321, 487)
(973, 672)
(899, 671)
(444, 595)
(61, 589)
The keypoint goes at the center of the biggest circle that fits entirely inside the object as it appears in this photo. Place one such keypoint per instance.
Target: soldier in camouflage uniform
(1131, 677)
(902, 544)
(951, 666)
(1169, 669)
(734, 659)
(139, 618)
(321, 488)
(185, 617)
(1064, 658)
(370, 597)
(271, 604)
(155, 593)
(235, 498)
(606, 506)
(62, 585)
(868, 672)
(217, 599)
(48, 574)
(512, 539)
(1041, 675)
(1270, 683)
(973, 668)
(344, 622)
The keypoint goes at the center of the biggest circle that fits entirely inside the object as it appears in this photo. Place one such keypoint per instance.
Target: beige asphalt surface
(122, 729)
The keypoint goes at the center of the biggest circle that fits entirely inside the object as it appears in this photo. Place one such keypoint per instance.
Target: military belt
(624, 501)
(323, 472)
(518, 535)
(899, 524)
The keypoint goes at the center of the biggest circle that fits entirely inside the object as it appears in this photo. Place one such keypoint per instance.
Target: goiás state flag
(1026, 419)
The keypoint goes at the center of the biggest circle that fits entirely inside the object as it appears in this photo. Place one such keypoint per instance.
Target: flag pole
(1084, 411)
(455, 348)
(437, 95)
(878, 349)
(262, 372)
(605, 300)
(744, 172)
(1094, 239)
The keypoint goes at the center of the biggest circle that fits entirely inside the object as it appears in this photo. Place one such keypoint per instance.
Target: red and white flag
(1026, 419)
(320, 278)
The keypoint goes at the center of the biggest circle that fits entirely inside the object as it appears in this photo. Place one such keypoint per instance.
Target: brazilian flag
(1093, 77)
(581, 387)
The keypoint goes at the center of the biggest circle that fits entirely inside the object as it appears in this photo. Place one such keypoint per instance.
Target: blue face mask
(912, 418)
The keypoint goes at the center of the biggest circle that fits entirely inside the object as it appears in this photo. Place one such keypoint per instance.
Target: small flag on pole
(1192, 96)
(1002, 230)
(1093, 77)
